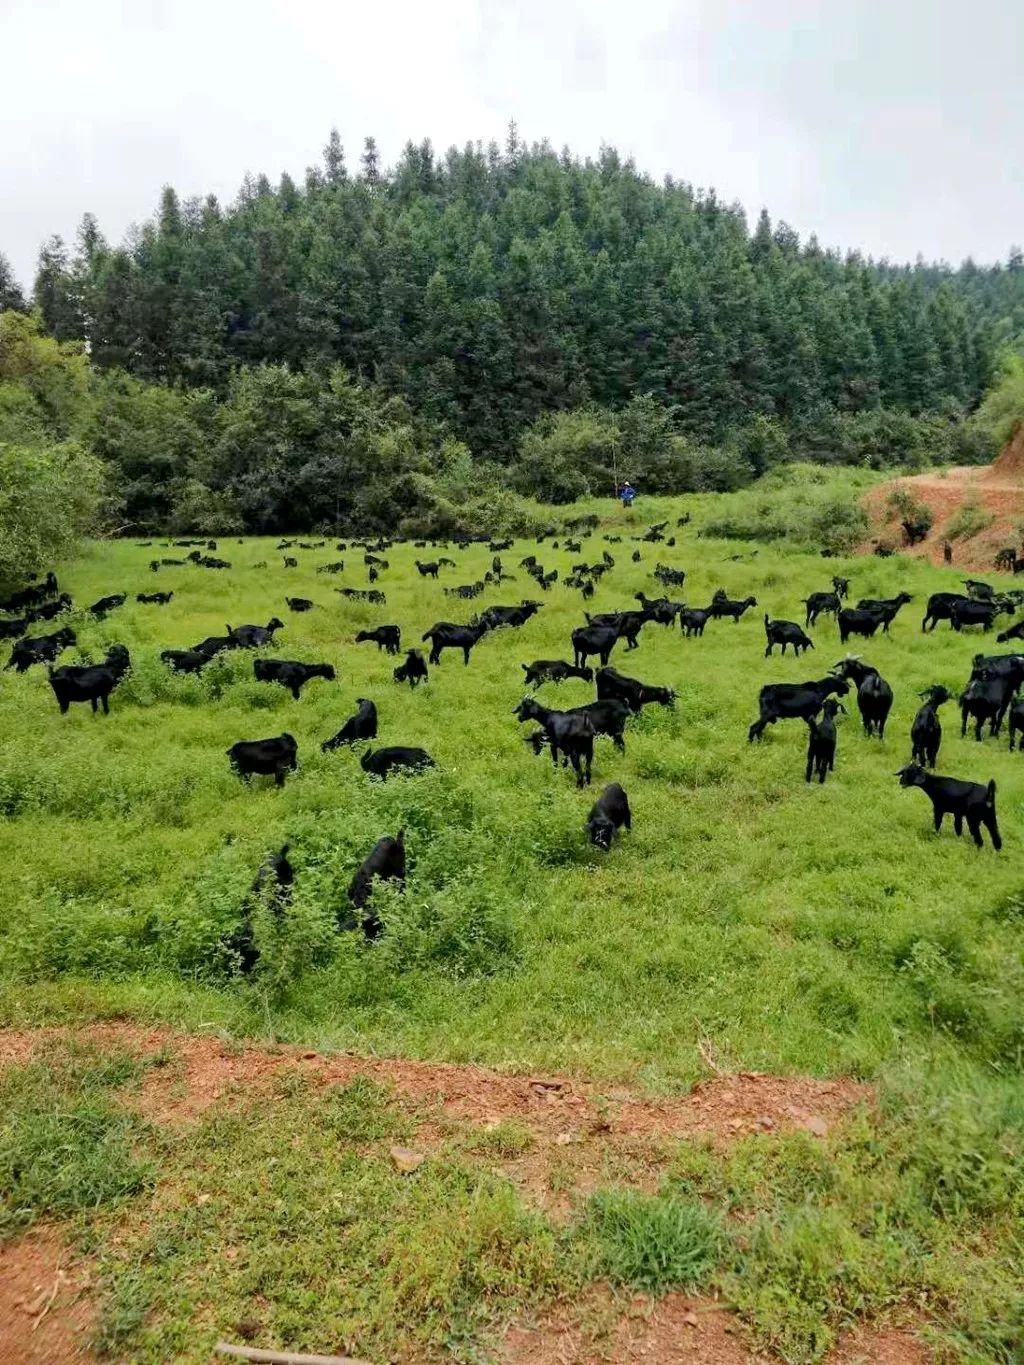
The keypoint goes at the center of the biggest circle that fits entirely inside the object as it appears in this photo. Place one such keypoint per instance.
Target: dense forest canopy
(502, 318)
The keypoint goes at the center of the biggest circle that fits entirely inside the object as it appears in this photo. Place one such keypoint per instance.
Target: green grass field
(748, 918)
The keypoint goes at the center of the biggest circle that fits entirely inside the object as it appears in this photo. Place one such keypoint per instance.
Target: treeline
(423, 344)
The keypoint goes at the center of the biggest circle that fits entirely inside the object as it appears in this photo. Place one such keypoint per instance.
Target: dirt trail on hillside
(998, 489)
(45, 1305)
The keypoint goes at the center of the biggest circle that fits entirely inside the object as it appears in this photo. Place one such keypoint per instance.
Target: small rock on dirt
(406, 1160)
(817, 1126)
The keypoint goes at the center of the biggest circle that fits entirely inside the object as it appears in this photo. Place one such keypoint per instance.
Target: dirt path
(45, 1311)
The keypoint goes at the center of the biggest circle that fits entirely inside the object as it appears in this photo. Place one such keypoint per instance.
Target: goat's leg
(958, 823)
(974, 825)
(993, 829)
(937, 814)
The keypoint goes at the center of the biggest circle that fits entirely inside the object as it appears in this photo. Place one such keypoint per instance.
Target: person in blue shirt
(627, 493)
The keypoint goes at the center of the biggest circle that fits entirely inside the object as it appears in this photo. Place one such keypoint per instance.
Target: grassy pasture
(748, 919)
(793, 927)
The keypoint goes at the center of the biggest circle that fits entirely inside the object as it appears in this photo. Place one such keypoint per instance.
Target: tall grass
(796, 928)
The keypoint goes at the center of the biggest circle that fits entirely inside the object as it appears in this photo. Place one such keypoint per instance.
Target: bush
(50, 497)
(968, 520)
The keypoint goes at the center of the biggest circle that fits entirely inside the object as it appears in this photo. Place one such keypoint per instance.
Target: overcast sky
(895, 127)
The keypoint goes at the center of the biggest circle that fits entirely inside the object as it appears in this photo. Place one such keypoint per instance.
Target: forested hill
(491, 286)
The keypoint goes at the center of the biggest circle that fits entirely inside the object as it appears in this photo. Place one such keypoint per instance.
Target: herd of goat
(989, 698)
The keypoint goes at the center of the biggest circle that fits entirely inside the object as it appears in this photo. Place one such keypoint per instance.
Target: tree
(50, 497)
(334, 160)
(370, 162)
(54, 292)
(11, 296)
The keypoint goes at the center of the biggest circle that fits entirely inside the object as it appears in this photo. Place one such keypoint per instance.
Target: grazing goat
(982, 592)
(662, 609)
(608, 717)
(384, 637)
(972, 613)
(570, 733)
(671, 578)
(446, 635)
(723, 606)
(264, 757)
(1015, 632)
(361, 725)
(692, 620)
(588, 640)
(30, 596)
(273, 884)
(90, 682)
(820, 603)
(842, 587)
(364, 595)
(784, 633)
(793, 701)
(968, 801)
(290, 674)
(413, 671)
(874, 695)
(386, 863)
(615, 686)
(821, 740)
(986, 697)
(427, 570)
(628, 624)
(49, 610)
(381, 762)
(185, 660)
(609, 813)
(858, 621)
(940, 608)
(337, 566)
(553, 670)
(926, 732)
(106, 604)
(299, 604)
(495, 617)
(43, 649)
(156, 599)
(255, 637)
(886, 608)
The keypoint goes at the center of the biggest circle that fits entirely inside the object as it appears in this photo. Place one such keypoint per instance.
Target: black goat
(615, 686)
(692, 620)
(381, 762)
(43, 649)
(721, 605)
(361, 725)
(608, 717)
(821, 740)
(185, 660)
(384, 637)
(820, 603)
(90, 682)
(299, 604)
(255, 637)
(554, 670)
(1015, 632)
(446, 635)
(495, 617)
(842, 587)
(940, 608)
(589, 640)
(886, 608)
(290, 673)
(570, 733)
(1016, 723)
(427, 570)
(413, 671)
(793, 701)
(784, 633)
(156, 599)
(264, 757)
(609, 813)
(968, 801)
(926, 732)
(386, 863)
(858, 621)
(106, 604)
(874, 695)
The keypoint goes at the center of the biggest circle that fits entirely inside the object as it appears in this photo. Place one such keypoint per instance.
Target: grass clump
(67, 1146)
(969, 519)
(654, 1242)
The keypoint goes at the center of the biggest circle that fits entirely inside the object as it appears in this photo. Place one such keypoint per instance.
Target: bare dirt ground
(998, 488)
(587, 1130)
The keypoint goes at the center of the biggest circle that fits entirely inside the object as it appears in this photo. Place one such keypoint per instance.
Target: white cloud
(893, 128)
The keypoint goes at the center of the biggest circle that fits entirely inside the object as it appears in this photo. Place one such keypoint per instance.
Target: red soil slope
(998, 488)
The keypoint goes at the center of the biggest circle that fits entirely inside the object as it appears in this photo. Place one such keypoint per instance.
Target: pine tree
(11, 296)
(54, 293)
(370, 161)
(334, 160)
